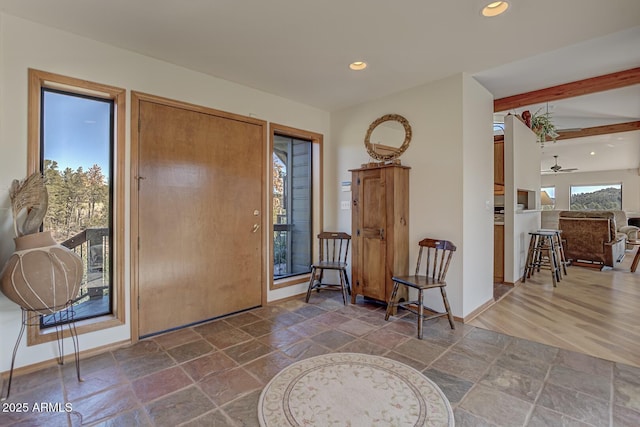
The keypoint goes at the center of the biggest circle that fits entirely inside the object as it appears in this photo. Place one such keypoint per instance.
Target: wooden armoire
(380, 230)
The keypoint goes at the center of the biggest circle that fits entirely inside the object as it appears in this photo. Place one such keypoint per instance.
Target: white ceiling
(603, 55)
(610, 152)
(300, 50)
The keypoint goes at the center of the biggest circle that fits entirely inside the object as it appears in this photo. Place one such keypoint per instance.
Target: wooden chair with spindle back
(438, 257)
(333, 253)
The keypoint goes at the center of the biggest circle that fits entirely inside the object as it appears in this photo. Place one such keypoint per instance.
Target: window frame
(543, 188)
(316, 191)
(290, 202)
(41, 79)
(609, 184)
(111, 139)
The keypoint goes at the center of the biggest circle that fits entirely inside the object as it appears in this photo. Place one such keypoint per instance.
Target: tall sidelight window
(596, 197)
(292, 206)
(76, 139)
(76, 157)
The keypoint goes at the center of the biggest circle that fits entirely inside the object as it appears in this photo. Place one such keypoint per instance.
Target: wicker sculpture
(41, 275)
(29, 202)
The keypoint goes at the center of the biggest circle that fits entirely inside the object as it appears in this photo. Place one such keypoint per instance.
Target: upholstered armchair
(549, 219)
(623, 228)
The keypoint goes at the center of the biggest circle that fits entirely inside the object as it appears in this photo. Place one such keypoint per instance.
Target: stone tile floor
(212, 374)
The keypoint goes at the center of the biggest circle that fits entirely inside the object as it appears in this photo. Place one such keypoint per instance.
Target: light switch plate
(345, 205)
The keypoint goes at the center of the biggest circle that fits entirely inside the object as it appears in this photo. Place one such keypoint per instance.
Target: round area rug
(352, 389)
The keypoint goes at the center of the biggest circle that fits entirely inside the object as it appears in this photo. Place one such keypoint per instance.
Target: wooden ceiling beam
(569, 90)
(600, 130)
(592, 131)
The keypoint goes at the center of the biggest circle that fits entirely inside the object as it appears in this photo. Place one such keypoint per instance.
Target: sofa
(592, 236)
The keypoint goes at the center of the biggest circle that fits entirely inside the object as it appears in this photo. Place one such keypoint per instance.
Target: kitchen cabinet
(498, 163)
(380, 230)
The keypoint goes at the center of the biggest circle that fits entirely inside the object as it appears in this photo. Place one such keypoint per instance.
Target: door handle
(382, 234)
(256, 227)
(139, 179)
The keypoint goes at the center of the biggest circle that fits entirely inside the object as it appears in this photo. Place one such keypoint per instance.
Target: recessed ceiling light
(495, 8)
(593, 153)
(358, 65)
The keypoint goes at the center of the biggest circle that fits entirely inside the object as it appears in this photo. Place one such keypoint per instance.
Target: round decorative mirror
(388, 137)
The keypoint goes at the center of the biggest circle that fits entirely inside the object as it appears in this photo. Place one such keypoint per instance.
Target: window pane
(596, 197)
(548, 202)
(77, 136)
(292, 195)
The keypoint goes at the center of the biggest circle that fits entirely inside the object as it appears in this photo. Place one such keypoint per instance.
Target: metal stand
(32, 318)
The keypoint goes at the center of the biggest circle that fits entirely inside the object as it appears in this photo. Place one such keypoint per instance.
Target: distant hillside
(605, 199)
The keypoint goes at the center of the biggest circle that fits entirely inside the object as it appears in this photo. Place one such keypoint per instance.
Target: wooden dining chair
(333, 253)
(438, 254)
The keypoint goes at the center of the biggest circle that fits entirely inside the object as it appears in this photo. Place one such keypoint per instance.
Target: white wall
(478, 197)
(630, 179)
(451, 155)
(24, 45)
(521, 171)
(451, 177)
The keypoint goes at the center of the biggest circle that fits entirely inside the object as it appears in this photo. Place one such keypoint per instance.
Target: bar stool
(542, 254)
(559, 247)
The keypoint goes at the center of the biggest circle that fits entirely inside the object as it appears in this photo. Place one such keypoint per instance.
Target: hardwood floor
(591, 311)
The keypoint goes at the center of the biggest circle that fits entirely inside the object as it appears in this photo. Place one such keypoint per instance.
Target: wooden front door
(200, 219)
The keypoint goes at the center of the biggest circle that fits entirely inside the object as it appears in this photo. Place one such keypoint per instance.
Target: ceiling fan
(557, 168)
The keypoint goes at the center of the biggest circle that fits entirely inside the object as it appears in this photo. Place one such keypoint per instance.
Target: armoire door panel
(373, 268)
(372, 233)
(372, 201)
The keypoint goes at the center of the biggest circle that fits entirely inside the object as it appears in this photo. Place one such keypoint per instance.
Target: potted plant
(543, 127)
